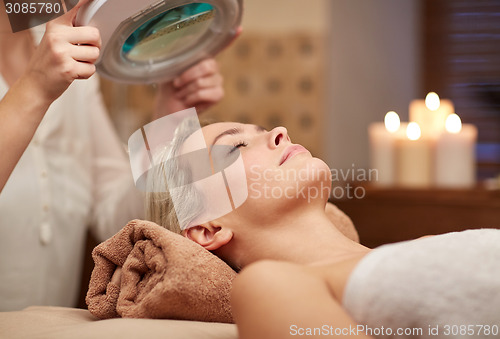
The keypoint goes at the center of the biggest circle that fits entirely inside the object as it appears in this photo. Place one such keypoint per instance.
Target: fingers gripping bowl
(151, 41)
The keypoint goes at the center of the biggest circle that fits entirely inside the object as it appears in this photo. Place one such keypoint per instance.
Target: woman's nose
(277, 136)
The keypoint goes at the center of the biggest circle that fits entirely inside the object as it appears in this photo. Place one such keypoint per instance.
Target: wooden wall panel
(276, 79)
(270, 80)
(462, 63)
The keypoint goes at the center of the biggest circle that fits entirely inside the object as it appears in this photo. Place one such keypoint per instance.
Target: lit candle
(414, 159)
(430, 114)
(382, 144)
(455, 154)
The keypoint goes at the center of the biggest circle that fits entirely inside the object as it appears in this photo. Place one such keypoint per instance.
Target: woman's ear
(209, 235)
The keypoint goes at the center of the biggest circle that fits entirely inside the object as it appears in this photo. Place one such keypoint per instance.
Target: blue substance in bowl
(163, 20)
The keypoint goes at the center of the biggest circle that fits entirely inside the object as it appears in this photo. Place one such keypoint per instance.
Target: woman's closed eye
(238, 145)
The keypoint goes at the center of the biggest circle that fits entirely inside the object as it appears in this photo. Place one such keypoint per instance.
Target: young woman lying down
(300, 275)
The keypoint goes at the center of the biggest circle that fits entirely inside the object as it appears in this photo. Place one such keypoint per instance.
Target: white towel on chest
(446, 280)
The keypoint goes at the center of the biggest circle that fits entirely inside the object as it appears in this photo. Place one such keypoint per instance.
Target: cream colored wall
(374, 67)
(281, 16)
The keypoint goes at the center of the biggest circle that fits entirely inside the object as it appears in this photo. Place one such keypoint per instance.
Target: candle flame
(413, 131)
(392, 121)
(453, 123)
(432, 101)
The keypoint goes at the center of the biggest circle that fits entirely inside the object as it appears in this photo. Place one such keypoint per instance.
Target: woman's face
(279, 174)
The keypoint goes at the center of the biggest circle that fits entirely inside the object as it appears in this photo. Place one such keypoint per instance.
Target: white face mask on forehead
(153, 41)
(204, 183)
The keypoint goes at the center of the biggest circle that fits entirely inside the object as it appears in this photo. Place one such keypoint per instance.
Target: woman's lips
(291, 151)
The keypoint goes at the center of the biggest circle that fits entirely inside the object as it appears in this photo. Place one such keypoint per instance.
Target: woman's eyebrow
(231, 131)
(260, 128)
(237, 130)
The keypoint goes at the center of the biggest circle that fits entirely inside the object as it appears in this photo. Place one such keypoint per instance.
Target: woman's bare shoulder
(271, 298)
(275, 269)
(336, 274)
(273, 273)
(276, 275)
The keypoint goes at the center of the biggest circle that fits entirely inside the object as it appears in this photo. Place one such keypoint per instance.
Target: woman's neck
(305, 237)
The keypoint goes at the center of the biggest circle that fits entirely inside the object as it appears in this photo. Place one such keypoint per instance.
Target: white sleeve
(116, 199)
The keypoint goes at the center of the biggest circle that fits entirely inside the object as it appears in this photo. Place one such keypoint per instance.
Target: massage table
(44, 322)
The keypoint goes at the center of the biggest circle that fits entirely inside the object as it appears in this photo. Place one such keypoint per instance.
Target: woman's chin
(305, 180)
(315, 184)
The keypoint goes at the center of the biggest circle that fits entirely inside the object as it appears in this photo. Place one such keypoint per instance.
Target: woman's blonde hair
(171, 171)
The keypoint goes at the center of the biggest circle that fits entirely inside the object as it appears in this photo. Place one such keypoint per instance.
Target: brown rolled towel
(164, 275)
